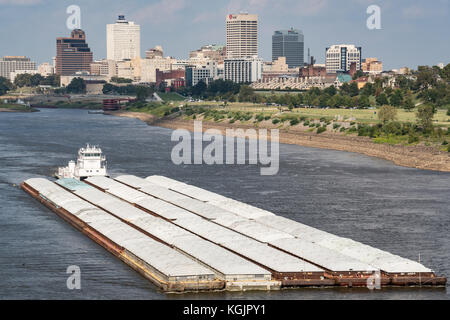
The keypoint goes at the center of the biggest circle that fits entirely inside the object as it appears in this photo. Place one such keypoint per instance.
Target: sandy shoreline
(421, 157)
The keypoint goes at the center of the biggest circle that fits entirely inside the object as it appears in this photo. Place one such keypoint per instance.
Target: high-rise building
(10, 64)
(243, 70)
(242, 35)
(123, 40)
(73, 54)
(338, 58)
(289, 44)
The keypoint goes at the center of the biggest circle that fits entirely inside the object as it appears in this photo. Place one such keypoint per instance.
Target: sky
(413, 32)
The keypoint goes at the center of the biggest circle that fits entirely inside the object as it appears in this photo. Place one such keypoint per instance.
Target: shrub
(267, 118)
(275, 121)
(259, 117)
(413, 138)
(294, 122)
(173, 110)
(323, 119)
(306, 123)
(336, 126)
(317, 125)
(342, 129)
(393, 128)
(445, 143)
(321, 129)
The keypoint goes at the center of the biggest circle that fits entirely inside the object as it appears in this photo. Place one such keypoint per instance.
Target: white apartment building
(206, 72)
(242, 35)
(9, 64)
(243, 70)
(340, 57)
(123, 40)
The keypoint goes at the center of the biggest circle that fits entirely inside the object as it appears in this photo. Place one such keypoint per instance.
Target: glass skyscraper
(289, 44)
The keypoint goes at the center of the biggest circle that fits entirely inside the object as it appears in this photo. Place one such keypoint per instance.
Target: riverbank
(16, 108)
(415, 156)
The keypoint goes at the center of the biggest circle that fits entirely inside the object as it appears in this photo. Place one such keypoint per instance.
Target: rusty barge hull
(144, 269)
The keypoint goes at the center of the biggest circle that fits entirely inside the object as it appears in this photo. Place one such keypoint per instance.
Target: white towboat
(90, 163)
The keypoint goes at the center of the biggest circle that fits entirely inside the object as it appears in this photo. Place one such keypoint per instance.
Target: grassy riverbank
(338, 129)
(13, 107)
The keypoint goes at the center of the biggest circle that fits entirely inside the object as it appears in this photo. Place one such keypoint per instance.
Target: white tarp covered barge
(184, 238)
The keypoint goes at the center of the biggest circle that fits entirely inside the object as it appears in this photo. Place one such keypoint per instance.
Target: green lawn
(357, 115)
(16, 107)
(171, 96)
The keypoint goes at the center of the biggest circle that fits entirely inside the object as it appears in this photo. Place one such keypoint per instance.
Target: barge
(184, 238)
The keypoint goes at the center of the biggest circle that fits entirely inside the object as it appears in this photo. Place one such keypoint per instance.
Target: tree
(77, 85)
(121, 80)
(424, 115)
(331, 91)
(368, 89)
(246, 93)
(408, 103)
(426, 77)
(396, 98)
(23, 80)
(5, 86)
(358, 74)
(387, 113)
(363, 102)
(142, 93)
(382, 99)
(199, 89)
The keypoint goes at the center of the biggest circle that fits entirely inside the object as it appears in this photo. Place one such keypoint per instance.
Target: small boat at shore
(90, 163)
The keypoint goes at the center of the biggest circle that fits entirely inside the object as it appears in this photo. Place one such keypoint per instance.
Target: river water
(402, 210)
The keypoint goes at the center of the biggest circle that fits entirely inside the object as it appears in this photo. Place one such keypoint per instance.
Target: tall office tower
(9, 64)
(242, 35)
(289, 44)
(338, 58)
(123, 40)
(73, 54)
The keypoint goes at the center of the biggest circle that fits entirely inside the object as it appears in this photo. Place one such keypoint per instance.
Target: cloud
(19, 2)
(416, 11)
(162, 11)
(299, 7)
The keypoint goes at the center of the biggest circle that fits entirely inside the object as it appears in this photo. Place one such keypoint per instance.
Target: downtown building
(289, 44)
(13, 65)
(123, 40)
(242, 35)
(242, 64)
(243, 70)
(73, 54)
(339, 58)
(206, 73)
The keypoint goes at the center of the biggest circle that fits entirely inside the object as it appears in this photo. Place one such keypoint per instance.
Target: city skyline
(180, 28)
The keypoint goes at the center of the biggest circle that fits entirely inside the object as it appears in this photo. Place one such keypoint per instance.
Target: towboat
(90, 163)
